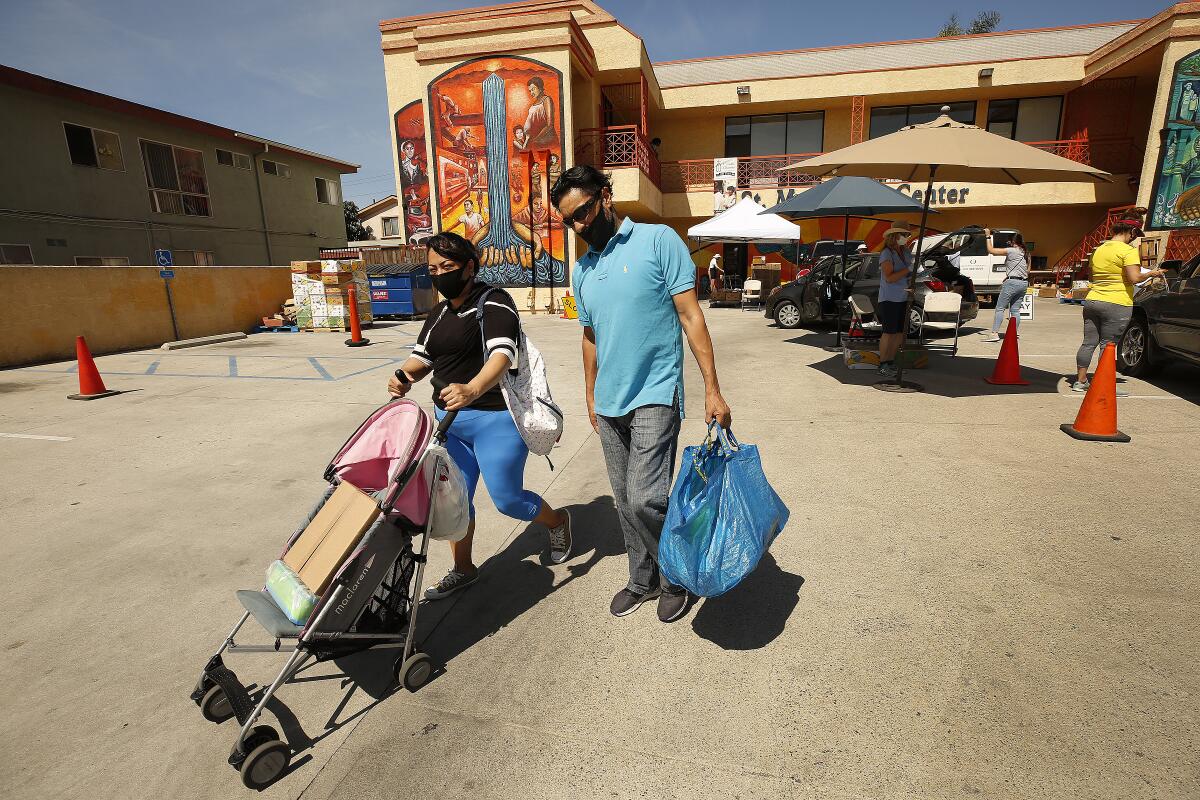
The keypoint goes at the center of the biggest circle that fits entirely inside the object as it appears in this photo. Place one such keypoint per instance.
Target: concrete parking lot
(966, 602)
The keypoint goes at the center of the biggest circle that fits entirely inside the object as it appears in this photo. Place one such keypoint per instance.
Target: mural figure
(487, 161)
(409, 124)
(1176, 200)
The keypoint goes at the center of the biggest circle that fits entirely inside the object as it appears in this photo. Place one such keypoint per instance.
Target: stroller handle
(448, 420)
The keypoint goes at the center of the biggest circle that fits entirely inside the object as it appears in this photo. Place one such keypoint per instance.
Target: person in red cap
(1116, 268)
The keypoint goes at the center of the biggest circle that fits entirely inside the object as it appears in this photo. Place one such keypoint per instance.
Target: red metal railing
(618, 146)
(1110, 155)
(1076, 257)
(754, 172)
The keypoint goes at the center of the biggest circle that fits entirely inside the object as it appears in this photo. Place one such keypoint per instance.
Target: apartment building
(92, 179)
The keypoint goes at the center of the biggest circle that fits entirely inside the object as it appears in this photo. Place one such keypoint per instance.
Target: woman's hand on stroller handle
(398, 387)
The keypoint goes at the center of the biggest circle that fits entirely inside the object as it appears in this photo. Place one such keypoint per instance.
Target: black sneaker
(672, 606)
(626, 602)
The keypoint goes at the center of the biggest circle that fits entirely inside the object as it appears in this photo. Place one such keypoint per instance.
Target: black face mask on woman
(601, 230)
(451, 284)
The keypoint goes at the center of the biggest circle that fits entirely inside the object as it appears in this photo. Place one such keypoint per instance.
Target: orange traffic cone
(91, 386)
(1097, 420)
(1008, 364)
(356, 338)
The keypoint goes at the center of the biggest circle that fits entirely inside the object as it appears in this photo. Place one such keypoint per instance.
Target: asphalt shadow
(516, 579)
(1177, 378)
(752, 614)
(948, 376)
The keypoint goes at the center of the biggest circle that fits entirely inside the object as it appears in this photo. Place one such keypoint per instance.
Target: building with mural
(490, 104)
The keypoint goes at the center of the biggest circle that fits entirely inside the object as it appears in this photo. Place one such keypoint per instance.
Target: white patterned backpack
(538, 418)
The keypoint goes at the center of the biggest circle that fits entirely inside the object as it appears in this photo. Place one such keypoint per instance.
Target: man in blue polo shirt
(635, 292)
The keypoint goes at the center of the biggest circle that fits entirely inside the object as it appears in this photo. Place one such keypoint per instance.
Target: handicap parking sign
(163, 258)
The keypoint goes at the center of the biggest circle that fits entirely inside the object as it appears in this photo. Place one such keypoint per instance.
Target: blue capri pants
(487, 443)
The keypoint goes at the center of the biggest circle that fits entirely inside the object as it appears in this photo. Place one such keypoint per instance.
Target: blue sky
(310, 72)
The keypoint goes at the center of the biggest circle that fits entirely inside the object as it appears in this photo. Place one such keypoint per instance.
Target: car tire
(1136, 352)
(787, 315)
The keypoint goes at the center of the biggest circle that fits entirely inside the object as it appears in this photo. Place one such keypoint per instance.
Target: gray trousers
(639, 449)
(1102, 323)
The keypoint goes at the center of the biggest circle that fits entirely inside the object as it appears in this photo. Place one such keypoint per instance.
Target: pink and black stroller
(396, 459)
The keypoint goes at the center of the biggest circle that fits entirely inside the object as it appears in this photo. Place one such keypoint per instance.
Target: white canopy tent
(743, 223)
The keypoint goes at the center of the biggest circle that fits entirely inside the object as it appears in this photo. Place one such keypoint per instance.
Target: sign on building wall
(725, 184)
(497, 126)
(1175, 202)
(414, 173)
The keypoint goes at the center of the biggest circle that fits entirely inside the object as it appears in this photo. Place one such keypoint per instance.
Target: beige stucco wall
(375, 222)
(125, 308)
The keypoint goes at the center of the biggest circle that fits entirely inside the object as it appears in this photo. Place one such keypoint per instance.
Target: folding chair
(861, 308)
(751, 293)
(942, 304)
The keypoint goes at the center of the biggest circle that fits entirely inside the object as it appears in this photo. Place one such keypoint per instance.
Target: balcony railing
(1110, 155)
(618, 146)
(754, 172)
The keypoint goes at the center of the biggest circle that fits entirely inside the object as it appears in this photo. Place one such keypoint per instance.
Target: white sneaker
(991, 336)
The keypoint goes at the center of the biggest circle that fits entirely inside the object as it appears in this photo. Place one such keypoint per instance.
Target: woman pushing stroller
(483, 439)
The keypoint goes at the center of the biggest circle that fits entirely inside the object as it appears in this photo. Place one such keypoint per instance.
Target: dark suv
(1165, 324)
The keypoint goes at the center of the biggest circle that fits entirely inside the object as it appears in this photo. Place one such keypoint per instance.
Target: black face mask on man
(451, 284)
(601, 229)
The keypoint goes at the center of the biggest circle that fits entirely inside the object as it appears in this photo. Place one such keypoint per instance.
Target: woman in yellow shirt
(1116, 267)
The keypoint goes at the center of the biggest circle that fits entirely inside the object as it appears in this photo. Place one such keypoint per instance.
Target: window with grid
(391, 226)
(193, 258)
(176, 179)
(889, 119)
(101, 261)
(1027, 119)
(16, 254)
(327, 192)
(228, 158)
(276, 168)
(775, 134)
(92, 147)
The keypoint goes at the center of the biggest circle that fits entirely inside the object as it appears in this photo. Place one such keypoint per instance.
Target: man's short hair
(584, 177)
(538, 82)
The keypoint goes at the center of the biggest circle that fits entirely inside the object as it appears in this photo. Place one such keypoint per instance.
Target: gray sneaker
(560, 541)
(1081, 386)
(888, 371)
(450, 584)
(672, 605)
(991, 336)
(626, 602)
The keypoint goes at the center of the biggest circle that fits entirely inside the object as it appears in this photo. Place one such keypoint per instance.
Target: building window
(327, 192)
(228, 158)
(16, 254)
(1028, 119)
(91, 147)
(276, 168)
(193, 258)
(176, 179)
(95, 261)
(889, 119)
(775, 134)
(391, 226)
(56, 242)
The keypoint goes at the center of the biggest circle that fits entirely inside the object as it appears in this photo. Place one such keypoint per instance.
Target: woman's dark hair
(538, 82)
(454, 247)
(1019, 241)
(586, 178)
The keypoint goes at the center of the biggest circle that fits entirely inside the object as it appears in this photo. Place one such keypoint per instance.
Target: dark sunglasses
(581, 214)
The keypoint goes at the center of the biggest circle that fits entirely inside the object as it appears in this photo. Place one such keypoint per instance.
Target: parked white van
(966, 248)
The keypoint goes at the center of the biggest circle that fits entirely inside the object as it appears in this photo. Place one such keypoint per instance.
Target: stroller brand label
(350, 592)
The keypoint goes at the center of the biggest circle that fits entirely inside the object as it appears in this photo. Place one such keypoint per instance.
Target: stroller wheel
(415, 671)
(215, 706)
(265, 764)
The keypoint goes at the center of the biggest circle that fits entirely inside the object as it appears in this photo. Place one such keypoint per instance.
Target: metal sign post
(168, 275)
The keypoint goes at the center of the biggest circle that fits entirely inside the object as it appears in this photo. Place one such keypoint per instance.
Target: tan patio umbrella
(951, 151)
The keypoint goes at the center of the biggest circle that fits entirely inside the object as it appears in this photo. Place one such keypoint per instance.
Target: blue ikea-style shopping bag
(722, 517)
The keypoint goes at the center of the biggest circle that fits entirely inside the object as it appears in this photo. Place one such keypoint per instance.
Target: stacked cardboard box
(321, 290)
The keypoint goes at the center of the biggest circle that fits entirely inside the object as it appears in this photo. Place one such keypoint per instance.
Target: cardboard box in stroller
(330, 537)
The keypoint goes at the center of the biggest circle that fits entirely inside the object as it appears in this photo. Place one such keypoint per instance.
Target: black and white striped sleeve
(501, 327)
(420, 351)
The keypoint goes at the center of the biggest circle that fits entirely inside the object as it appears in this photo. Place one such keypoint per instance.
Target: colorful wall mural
(414, 173)
(497, 127)
(1176, 199)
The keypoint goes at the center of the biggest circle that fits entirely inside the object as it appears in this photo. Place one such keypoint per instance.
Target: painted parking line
(36, 436)
(312, 368)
